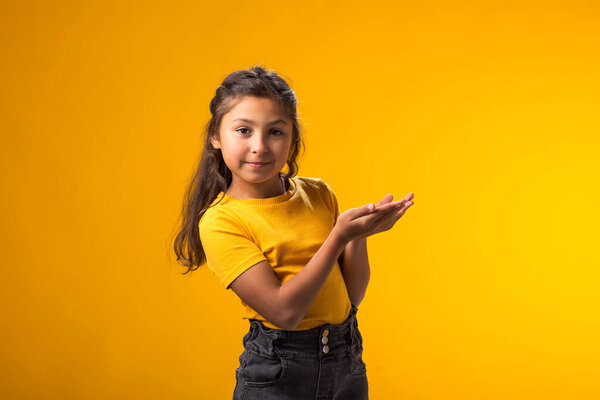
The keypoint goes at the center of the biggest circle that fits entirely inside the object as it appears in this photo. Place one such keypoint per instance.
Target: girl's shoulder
(317, 183)
(219, 208)
(315, 187)
(220, 218)
(312, 182)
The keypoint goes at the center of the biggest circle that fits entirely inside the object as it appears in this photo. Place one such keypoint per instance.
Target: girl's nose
(258, 144)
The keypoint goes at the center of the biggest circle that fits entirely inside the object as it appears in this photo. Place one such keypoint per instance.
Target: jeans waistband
(324, 340)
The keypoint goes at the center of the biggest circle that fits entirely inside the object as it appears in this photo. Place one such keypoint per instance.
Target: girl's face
(255, 130)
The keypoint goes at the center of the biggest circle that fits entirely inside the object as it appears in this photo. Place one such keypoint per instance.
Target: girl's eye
(279, 133)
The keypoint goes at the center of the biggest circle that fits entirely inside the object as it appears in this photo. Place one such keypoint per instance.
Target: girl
(279, 242)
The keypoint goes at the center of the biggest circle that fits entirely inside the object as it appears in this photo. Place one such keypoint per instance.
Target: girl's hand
(371, 218)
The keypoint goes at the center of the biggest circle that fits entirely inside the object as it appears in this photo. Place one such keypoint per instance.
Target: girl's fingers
(407, 206)
(389, 219)
(385, 220)
(397, 215)
(386, 207)
(388, 212)
(384, 204)
(386, 199)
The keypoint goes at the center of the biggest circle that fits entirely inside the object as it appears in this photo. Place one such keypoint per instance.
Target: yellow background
(488, 288)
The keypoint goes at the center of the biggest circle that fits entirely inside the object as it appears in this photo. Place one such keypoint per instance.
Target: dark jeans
(322, 363)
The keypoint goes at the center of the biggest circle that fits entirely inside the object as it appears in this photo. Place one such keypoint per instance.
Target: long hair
(212, 175)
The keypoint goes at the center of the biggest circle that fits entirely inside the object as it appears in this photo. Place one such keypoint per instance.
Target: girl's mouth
(258, 165)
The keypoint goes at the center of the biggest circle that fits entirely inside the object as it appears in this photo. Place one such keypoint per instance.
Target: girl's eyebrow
(249, 121)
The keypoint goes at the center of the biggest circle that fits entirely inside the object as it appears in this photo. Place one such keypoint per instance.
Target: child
(280, 243)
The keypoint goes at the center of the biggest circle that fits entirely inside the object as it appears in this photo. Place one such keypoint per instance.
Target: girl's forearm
(356, 269)
(297, 294)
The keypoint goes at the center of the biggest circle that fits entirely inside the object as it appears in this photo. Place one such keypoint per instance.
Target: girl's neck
(262, 192)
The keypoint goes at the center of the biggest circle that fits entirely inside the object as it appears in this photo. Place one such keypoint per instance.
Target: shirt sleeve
(333, 203)
(229, 249)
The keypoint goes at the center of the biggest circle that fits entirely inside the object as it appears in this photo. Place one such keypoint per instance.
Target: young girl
(279, 242)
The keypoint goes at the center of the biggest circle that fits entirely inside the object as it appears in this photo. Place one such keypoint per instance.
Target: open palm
(365, 221)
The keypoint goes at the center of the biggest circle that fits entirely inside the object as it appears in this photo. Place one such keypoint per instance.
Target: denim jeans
(322, 363)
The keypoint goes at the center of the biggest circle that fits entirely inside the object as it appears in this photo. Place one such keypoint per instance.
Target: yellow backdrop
(488, 288)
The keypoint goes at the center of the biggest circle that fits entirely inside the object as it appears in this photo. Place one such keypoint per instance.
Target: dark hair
(212, 175)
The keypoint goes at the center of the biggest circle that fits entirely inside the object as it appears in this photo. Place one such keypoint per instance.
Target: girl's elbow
(356, 300)
(357, 296)
(285, 318)
(289, 322)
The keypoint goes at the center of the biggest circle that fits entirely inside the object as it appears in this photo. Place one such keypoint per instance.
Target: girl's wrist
(361, 239)
(338, 238)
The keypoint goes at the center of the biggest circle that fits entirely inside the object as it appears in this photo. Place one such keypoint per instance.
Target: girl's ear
(214, 140)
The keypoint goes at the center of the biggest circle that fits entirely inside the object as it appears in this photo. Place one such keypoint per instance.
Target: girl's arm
(285, 305)
(298, 293)
(355, 268)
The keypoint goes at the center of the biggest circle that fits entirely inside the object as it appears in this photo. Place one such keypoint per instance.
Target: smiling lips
(257, 165)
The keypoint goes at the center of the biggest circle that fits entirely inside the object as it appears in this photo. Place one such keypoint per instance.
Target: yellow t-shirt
(286, 230)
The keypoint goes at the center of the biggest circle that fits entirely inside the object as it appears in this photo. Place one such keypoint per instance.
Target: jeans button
(325, 349)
